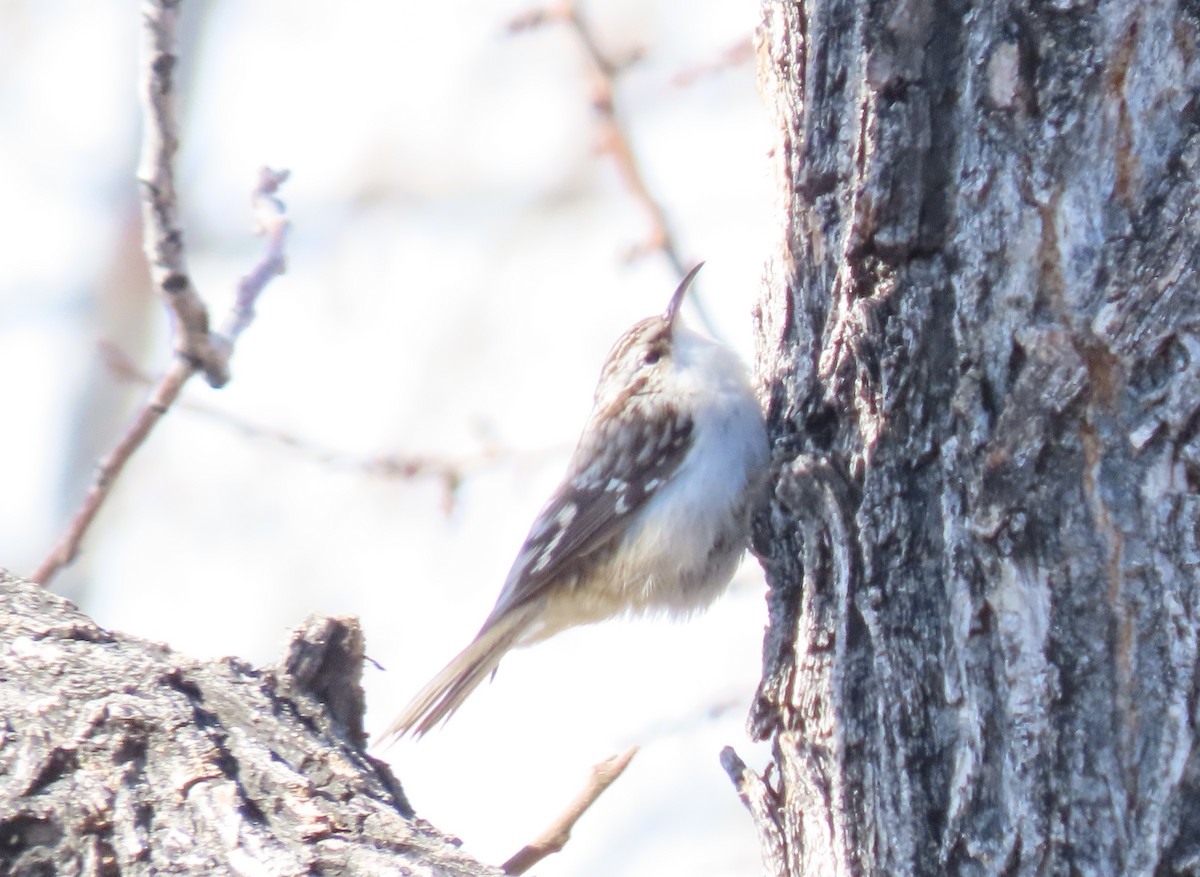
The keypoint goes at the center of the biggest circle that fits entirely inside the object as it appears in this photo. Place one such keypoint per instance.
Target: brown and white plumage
(652, 514)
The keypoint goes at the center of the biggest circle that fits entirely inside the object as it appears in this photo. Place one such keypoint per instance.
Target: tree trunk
(119, 756)
(981, 340)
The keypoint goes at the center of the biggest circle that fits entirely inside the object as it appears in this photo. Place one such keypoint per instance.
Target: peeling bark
(980, 342)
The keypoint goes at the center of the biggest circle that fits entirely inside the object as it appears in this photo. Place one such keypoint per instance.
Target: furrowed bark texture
(980, 342)
(119, 756)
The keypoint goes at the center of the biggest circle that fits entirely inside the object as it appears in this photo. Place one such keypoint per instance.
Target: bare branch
(450, 472)
(555, 837)
(741, 52)
(110, 468)
(162, 228)
(196, 347)
(537, 17)
(272, 224)
(615, 140)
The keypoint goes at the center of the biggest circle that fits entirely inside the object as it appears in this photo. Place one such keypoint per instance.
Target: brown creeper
(653, 514)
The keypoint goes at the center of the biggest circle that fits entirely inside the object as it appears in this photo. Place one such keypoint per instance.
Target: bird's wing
(621, 461)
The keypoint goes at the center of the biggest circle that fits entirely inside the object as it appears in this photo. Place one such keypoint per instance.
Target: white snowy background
(456, 275)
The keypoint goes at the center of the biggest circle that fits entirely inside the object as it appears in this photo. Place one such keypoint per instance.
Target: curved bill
(677, 299)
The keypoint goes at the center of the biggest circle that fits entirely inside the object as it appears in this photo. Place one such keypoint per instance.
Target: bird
(652, 516)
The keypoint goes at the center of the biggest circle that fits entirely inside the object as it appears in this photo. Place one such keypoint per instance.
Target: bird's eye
(652, 356)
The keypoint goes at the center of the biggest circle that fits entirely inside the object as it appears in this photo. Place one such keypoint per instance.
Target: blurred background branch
(615, 140)
(197, 349)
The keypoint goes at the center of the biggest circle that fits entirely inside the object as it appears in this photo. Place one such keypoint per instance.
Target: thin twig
(196, 347)
(615, 140)
(555, 837)
(736, 55)
(274, 226)
(449, 472)
(110, 468)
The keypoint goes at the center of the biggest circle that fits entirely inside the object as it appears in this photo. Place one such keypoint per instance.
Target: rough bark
(981, 343)
(119, 756)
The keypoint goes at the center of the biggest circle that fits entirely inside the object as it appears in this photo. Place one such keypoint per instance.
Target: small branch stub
(555, 837)
(760, 800)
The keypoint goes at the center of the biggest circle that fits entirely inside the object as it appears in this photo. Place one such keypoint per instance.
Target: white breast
(690, 537)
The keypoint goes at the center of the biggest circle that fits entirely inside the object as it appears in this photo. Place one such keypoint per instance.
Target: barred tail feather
(445, 693)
